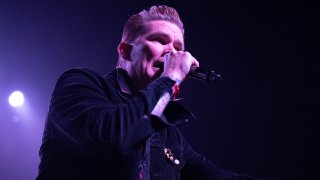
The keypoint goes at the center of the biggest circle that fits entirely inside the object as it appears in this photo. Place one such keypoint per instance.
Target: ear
(124, 50)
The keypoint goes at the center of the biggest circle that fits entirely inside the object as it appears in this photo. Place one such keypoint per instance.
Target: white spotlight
(16, 99)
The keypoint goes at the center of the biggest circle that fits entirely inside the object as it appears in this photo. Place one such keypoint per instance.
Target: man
(124, 125)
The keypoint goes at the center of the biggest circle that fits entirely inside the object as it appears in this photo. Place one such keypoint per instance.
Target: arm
(85, 113)
(176, 66)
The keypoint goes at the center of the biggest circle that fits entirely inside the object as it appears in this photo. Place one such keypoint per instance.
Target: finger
(196, 63)
(167, 56)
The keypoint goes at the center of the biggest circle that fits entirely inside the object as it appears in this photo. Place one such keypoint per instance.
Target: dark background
(260, 121)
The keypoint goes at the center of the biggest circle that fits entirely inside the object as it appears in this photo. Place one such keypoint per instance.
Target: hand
(177, 65)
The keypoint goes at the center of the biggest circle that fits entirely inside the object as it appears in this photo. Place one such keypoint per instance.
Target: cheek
(148, 53)
(152, 51)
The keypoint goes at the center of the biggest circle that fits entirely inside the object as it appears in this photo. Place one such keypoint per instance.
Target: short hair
(137, 23)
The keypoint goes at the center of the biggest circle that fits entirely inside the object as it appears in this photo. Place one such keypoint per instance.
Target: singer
(124, 125)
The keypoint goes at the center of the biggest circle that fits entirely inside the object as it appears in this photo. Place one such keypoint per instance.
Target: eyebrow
(178, 43)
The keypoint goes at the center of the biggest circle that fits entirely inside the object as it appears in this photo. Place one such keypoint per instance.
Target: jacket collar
(179, 113)
(122, 78)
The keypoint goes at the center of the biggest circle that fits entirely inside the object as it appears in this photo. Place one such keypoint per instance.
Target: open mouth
(158, 64)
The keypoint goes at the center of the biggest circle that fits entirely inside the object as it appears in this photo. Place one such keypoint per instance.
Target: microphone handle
(204, 74)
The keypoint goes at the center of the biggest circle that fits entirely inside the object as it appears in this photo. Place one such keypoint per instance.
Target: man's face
(147, 55)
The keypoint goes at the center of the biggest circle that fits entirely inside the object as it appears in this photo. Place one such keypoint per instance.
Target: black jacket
(95, 131)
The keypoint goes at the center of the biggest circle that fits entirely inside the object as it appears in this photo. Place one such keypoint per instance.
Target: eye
(178, 48)
(160, 40)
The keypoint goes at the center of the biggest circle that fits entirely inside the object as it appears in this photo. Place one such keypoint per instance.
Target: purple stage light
(16, 99)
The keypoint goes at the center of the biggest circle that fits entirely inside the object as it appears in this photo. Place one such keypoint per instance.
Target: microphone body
(204, 74)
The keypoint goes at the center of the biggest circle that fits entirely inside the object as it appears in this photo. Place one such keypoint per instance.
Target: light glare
(16, 99)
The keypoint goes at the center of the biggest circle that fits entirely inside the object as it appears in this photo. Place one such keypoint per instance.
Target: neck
(133, 85)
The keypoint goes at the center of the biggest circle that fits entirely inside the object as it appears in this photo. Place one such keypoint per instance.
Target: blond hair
(137, 24)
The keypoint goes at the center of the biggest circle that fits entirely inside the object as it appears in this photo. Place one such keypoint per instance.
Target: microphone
(205, 75)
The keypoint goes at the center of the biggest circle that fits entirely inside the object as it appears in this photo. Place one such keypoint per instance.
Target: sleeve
(84, 113)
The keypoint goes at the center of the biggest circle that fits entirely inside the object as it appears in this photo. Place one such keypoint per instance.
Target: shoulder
(78, 71)
(80, 77)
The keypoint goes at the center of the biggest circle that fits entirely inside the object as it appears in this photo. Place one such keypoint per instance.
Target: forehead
(166, 28)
